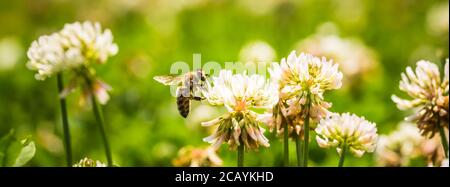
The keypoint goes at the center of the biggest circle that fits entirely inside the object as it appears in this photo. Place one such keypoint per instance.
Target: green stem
(240, 159)
(286, 142)
(65, 121)
(306, 131)
(298, 144)
(101, 124)
(342, 158)
(444, 140)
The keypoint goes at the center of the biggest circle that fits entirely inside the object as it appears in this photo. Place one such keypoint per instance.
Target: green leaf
(14, 152)
(26, 154)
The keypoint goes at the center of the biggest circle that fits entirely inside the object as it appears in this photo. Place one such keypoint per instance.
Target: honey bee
(188, 85)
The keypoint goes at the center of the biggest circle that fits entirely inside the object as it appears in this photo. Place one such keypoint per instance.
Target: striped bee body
(184, 101)
(184, 105)
(188, 85)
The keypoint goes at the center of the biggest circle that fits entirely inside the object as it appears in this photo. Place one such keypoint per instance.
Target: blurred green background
(143, 124)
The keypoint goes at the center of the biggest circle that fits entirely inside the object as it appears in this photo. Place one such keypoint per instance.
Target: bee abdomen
(183, 104)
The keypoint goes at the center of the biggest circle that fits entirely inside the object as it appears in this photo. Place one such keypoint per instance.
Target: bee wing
(168, 79)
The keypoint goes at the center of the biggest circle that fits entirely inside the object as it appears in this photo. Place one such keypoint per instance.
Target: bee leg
(197, 98)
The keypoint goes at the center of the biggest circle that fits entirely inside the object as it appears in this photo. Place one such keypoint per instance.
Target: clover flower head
(94, 43)
(197, 157)
(47, 56)
(75, 45)
(240, 92)
(257, 52)
(87, 162)
(429, 95)
(437, 21)
(354, 58)
(73, 49)
(400, 146)
(241, 95)
(297, 75)
(301, 81)
(358, 134)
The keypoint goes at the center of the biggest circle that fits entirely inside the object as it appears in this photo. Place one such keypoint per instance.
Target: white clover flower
(87, 162)
(429, 94)
(358, 134)
(95, 45)
(437, 21)
(10, 52)
(354, 58)
(240, 94)
(47, 56)
(400, 146)
(240, 91)
(75, 45)
(257, 52)
(297, 75)
(74, 49)
(197, 157)
(301, 80)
